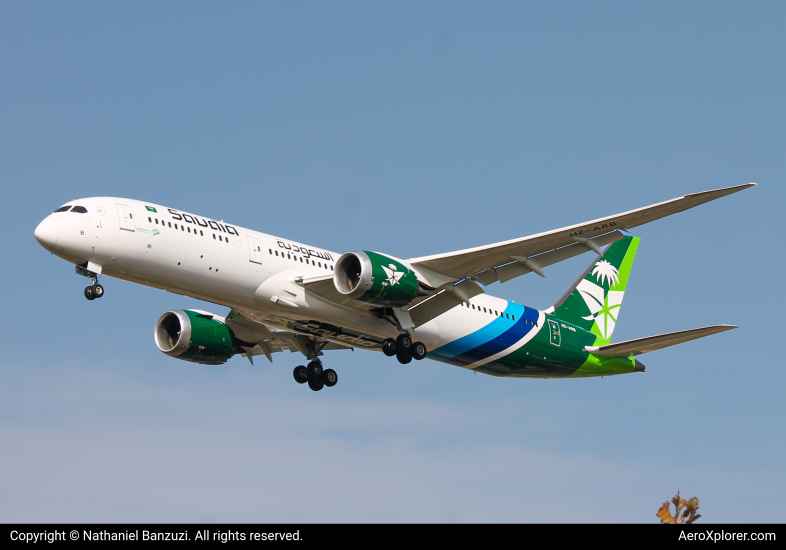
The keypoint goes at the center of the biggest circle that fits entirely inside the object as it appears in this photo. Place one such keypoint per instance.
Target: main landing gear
(315, 376)
(404, 348)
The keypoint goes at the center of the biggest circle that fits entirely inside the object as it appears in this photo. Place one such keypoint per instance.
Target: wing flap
(324, 288)
(518, 268)
(445, 300)
(652, 343)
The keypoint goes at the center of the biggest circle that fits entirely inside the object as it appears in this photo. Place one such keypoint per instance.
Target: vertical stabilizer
(595, 300)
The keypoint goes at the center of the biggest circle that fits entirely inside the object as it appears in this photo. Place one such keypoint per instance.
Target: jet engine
(195, 336)
(375, 279)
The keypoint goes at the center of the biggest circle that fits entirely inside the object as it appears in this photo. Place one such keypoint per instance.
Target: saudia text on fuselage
(306, 252)
(196, 220)
(226, 228)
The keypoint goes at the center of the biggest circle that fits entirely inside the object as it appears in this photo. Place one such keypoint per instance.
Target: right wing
(506, 260)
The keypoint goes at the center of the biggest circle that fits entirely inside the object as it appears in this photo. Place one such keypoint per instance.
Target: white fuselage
(249, 271)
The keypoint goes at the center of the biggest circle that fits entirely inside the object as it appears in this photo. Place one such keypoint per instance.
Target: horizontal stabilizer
(652, 343)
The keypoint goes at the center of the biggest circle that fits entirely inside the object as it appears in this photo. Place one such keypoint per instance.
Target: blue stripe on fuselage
(523, 325)
(493, 338)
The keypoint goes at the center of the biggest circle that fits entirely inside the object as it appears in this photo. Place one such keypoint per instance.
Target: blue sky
(412, 129)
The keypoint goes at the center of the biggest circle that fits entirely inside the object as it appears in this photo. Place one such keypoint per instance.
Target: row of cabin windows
(293, 257)
(79, 209)
(493, 312)
(184, 228)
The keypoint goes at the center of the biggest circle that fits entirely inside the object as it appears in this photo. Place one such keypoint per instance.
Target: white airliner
(287, 295)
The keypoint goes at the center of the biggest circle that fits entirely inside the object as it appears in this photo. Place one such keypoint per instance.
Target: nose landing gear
(95, 290)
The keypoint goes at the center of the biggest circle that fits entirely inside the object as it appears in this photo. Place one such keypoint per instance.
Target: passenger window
(270, 250)
(63, 208)
(150, 219)
(276, 252)
(170, 224)
(189, 230)
(156, 221)
(220, 238)
(79, 209)
(507, 315)
(301, 260)
(201, 234)
(514, 317)
(319, 264)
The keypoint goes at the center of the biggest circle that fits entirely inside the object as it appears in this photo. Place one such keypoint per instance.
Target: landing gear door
(254, 250)
(126, 217)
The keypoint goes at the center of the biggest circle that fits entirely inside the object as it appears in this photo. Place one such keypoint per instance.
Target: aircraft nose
(46, 233)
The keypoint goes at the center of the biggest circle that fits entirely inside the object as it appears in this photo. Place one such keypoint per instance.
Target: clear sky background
(412, 129)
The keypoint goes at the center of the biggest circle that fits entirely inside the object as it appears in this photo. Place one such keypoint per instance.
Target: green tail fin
(593, 302)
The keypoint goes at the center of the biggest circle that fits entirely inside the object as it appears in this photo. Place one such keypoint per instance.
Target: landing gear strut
(315, 376)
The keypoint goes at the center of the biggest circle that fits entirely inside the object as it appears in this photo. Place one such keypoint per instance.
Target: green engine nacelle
(375, 279)
(194, 336)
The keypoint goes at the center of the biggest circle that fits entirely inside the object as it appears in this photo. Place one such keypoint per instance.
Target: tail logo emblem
(603, 305)
(606, 273)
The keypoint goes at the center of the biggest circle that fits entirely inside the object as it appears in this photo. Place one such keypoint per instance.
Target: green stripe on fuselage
(552, 354)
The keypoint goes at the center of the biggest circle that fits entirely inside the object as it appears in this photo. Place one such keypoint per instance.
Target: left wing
(262, 339)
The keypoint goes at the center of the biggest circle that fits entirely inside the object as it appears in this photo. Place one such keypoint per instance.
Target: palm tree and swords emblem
(603, 306)
(393, 276)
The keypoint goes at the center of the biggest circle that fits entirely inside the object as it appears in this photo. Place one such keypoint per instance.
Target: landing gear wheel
(403, 357)
(89, 293)
(98, 290)
(389, 347)
(418, 350)
(403, 342)
(330, 378)
(314, 371)
(315, 385)
(300, 374)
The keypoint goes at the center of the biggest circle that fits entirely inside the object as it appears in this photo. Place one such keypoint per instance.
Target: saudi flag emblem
(151, 209)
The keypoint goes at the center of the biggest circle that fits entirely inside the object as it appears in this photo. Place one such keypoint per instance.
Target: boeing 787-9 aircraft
(287, 295)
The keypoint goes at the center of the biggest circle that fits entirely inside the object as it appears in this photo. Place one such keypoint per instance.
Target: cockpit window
(64, 208)
(80, 209)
